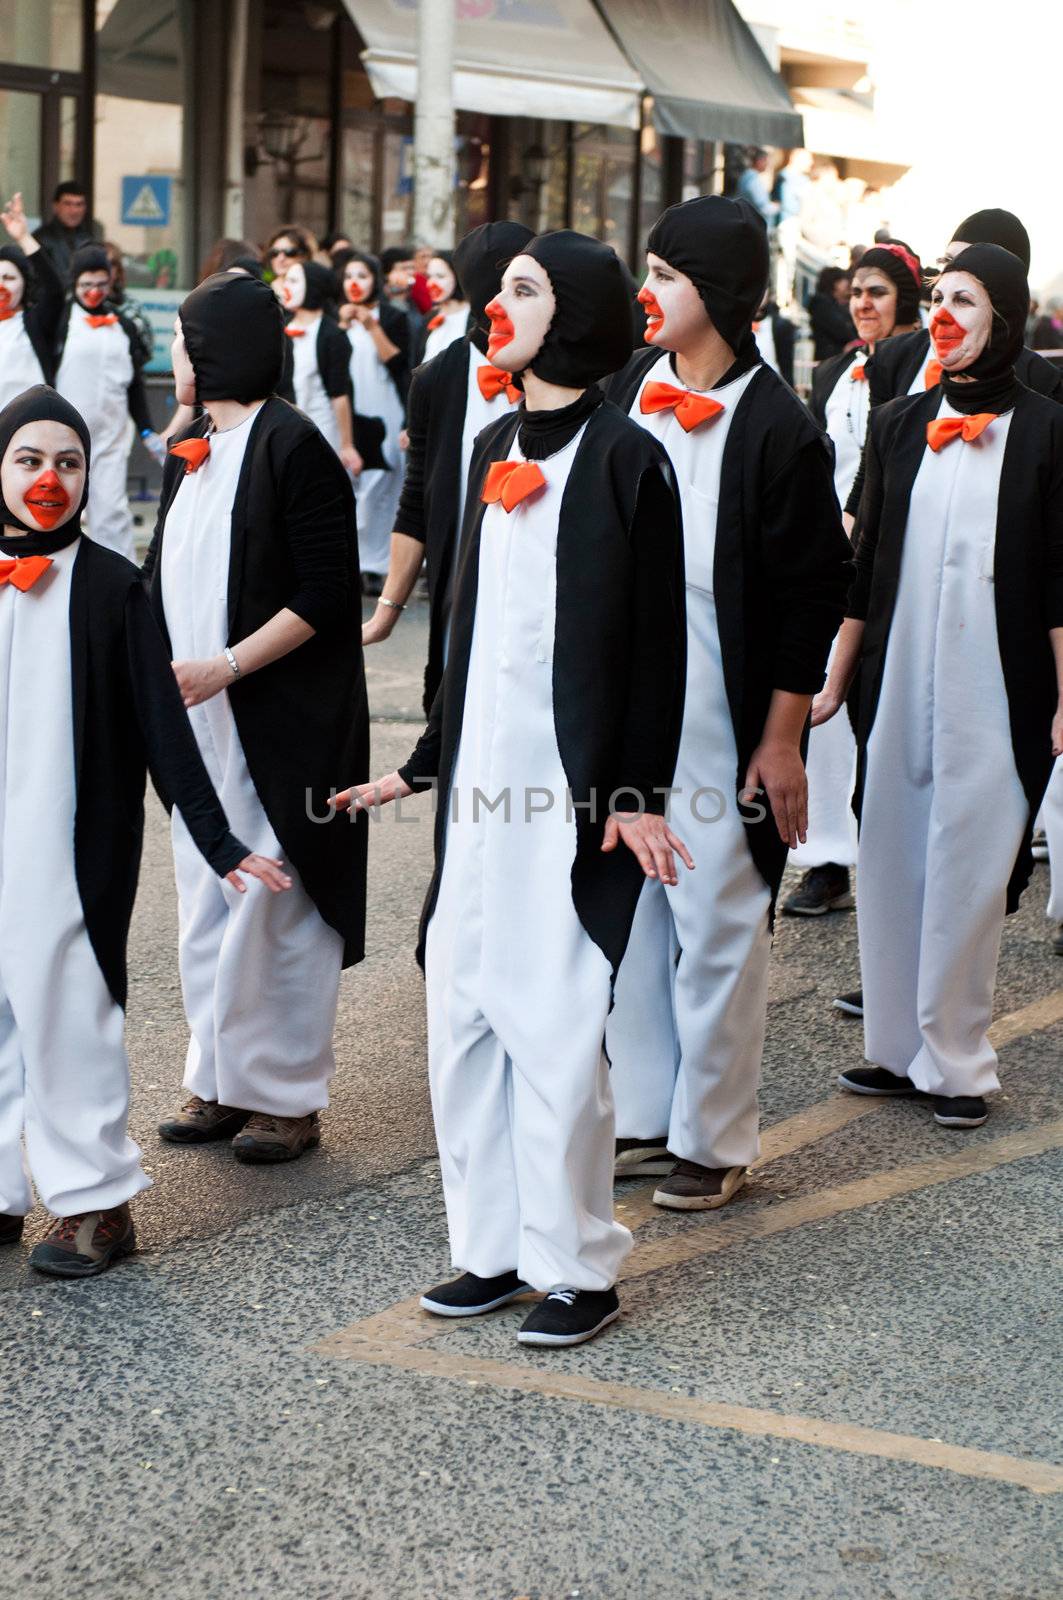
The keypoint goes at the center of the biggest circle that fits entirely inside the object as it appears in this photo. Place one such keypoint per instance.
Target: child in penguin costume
(767, 570)
(87, 703)
(31, 304)
(453, 397)
(253, 578)
(552, 741)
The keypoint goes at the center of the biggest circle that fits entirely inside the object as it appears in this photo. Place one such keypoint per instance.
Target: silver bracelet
(234, 665)
(394, 604)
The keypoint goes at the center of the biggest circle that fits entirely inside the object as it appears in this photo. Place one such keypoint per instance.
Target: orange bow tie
(932, 375)
(23, 572)
(436, 322)
(511, 482)
(945, 429)
(5, 316)
(193, 452)
(293, 332)
(857, 374)
(691, 410)
(106, 321)
(493, 382)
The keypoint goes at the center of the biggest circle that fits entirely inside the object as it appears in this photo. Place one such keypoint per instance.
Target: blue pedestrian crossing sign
(147, 201)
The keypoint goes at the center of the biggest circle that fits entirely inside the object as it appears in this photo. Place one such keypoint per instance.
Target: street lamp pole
(433, 140)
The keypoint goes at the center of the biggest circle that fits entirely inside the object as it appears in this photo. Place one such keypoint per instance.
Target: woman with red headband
(884, 302)
(956, 620)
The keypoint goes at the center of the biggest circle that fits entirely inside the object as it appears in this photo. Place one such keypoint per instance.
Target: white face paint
(675, 312)
(520, 315)
(12, 286)
(442, 284)
(42, 475)
(961, 320)
(357, 283)
(293, 288)
(184, 376)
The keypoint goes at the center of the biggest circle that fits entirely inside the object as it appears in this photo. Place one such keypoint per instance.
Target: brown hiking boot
(268, 1138)
(202, 1120)
(84, 1246)
(689, 1187)
(10, 1228)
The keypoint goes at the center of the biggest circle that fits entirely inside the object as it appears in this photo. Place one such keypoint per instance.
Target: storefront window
(536, 180)
(20, 139)
(396, 214)
(41, 33)
(602, 181)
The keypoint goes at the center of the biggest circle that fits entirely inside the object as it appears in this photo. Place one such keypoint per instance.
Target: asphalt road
(842, 1386)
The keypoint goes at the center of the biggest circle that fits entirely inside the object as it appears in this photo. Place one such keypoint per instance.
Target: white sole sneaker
(843, 902)
(437, 1308)
(568, 1338)
(734, 1181)
(960, 1122)
(846, 1007)
(653, 1161)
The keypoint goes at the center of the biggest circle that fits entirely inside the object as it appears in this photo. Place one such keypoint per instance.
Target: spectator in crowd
(1048, 329)
(333, 243)
(124, 302)
(70, 227)
(285, 247)
(828, 311)
(791, 187)
(775, 337)
(755, 186)
(223, 253)
(822, 218)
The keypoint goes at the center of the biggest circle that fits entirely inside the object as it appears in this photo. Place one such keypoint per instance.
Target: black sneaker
(960, 1111)
(852, 1004)
(470, 1296)
(570, 1316)
(11, 1229)
(822, 889)
(642, 1158)
(876, 1080)
(1039, 845)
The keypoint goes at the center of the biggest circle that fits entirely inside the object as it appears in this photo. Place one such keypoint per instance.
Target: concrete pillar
(433, 144)
(234, 120)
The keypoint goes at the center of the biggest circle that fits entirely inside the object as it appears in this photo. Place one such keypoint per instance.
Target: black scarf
(479, 261)
(721, 245)
(41, 404)
(544, 433)
(1003, 277)
(234, 333)
(590, 333)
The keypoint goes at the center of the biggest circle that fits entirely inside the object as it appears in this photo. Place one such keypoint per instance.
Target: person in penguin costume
(887, 284)
(321, 379)
(956, 623)
(88, 703)
(99, 370)
(552, 742)
(767, 570)
(253, 578)
(450, 309)
(452, 398)
(31, 304)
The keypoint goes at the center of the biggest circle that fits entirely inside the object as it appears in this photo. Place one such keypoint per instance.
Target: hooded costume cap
(995, 227)
(1003, 277)
(590, 333)
(233, 330)
(42, 404)
(90, 258)
(904, 271)
(479, 261)
(721, 245)
(320, 285)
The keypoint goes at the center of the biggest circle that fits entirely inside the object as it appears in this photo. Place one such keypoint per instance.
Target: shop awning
(138, 51)
(513, 58)
(706, 72)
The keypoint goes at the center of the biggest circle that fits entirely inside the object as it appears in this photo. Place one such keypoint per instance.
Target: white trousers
(260, 976)
(1051, 819)
(686, 1034)
(110, 520)
(64, 1077)
(831, 769)
(376, 496)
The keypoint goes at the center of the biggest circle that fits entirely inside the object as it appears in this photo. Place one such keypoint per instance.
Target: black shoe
(852, 1004)
(1057, 940)
(1039, 845)
(960, 1110)
(876, 1080)
(642, 1158)
(822, 889)
(570, 1316)
(11, 1229)
(470, 1296)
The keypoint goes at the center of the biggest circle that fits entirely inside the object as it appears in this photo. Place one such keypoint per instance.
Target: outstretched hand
(366, 796)
(265, 868)
(651, 840)
(13, 217)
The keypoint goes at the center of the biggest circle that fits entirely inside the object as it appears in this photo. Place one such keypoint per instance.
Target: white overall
(19, 367)
(918, 383)
(831, 760)
(1052, 820)
(764, 336)
(260, 971)
(94, 375)
(64, 1077)
(310, 393)
(517, 990)
(376, 492)
(687, 1031)
(944, 811)
(450, 329)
